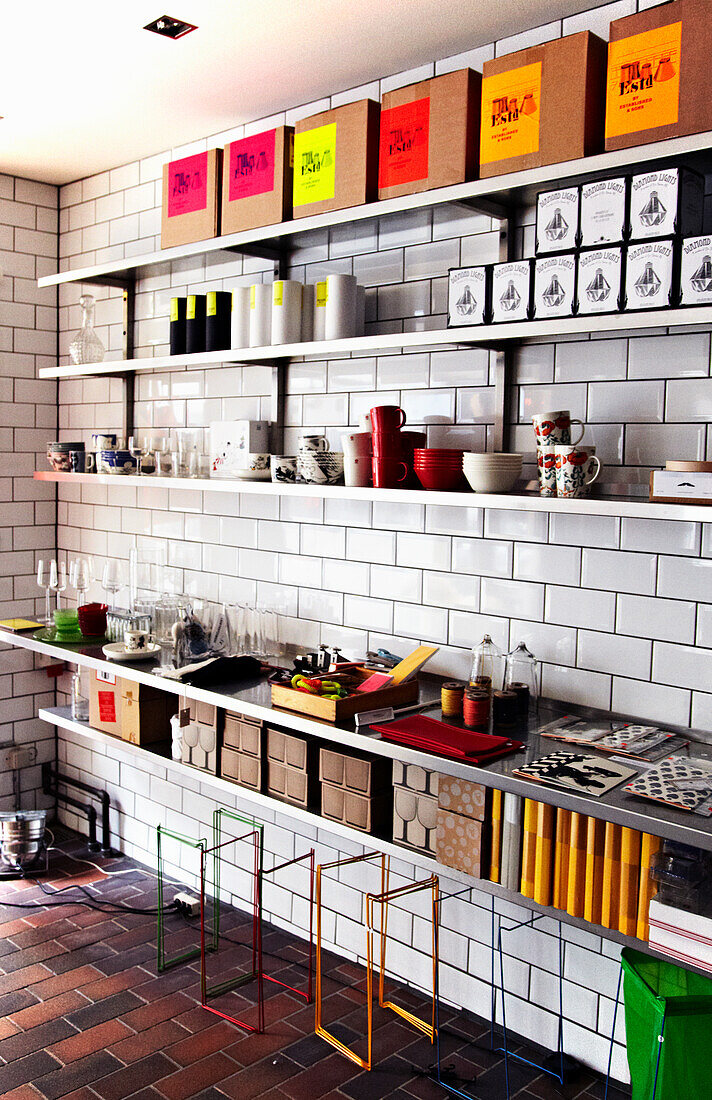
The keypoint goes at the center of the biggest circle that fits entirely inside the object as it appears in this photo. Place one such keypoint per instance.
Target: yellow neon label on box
(190, 308)
(315, 165)
(252, 297)
(211, 306)
(643, 87)
(322, 294)
(511, 110)
(278, 292)
(174, 309)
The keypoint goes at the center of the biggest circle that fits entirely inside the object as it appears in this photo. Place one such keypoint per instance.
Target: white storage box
(557, 220)
(231, 441)
(649, 275)
(467, 296)
(696, 271)
(604, 212)
(666, 202)
(599, 280)
(511, 290)
(554, 286)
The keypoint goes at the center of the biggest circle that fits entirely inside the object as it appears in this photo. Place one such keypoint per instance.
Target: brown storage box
(369, 813)
(105, 701)
(543, 105)
(336, 710)
(459, 842)
(257, 180)
(287, 784)
(199, 747)
(430, 134)
(243, 734)
(292, 768)
(205, 713)
(462, 796)
(336, 158)
(415, 819)
(415, 778)
(355, 773)
(658, 65)
(191, 199)
(245, 770)
(146, 713)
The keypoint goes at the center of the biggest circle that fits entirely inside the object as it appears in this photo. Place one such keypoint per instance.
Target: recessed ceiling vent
(170, 27)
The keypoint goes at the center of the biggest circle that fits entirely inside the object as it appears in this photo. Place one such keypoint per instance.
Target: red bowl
(443, 480)
(421, 465)
(437, 452)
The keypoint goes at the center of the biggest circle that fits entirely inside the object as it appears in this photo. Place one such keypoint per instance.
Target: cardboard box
(415, 778)
(232, 440)
(241, 768)
(467, 296)
(511, 291)
(462, 796)
(599, 280)
(243, 734)
(355, 773)
(604, 212)
(415, 819)
(336, 158)
(666, 202)
(205, 713)
(146, 713)
(105, 701)
(191, 199)
(658, 74)
(257, 180)
(696, 271)
(458, 842)
(557, 220)
(199, 747)
(554, 286)
(543, 105)
(292, 768)
(650, 275)
(430, 134)
(369, 813)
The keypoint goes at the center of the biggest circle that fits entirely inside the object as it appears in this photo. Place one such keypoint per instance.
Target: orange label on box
(511, 104)
(644, 81)
(404, 146)
(107, 706)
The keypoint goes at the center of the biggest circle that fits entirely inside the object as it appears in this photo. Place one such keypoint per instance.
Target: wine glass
(81, 574)
(112, 579)
(43, 580)
(58, 579)
(137, 451)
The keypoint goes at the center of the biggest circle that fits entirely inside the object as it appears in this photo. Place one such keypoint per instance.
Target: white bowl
(491, 481)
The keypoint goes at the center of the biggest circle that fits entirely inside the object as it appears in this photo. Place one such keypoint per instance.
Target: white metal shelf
(487, 195)
(628, 507)
(471, 336)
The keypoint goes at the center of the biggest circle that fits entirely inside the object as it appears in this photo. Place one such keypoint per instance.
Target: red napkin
(429, 734)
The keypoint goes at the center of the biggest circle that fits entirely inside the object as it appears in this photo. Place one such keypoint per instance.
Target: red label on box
(405, 138)
(107, 706)
(252, 166)
(188, 185)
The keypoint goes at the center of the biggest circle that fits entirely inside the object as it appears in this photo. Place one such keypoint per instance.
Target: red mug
(387, 444)
(388, 473)
(411, 440)
(387, 418)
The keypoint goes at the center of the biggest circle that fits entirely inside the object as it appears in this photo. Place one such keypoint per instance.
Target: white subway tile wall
(616, 612)
(28, 421)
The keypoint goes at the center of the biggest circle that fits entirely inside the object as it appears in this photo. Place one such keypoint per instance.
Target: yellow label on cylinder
(322, 294)
(174, 309)
(252, 297)
(511, 110)
(211, 305)
(315, 165)
(190, 307)
(643, 88)
(278, 292)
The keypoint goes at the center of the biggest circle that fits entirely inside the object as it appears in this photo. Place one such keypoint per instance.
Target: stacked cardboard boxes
(460, 831)
(241, 755)
(201, 737)
(292, 768)
(415, 807)
(356, 790)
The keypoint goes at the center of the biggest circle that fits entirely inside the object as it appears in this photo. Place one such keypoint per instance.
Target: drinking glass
(169, 611)
(112, 579)
(58, 579)
(137, 451)
(43, 580)
(81, 575)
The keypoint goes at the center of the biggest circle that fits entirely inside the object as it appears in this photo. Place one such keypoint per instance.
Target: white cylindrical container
(240, 317)
(360, 310)
(340, 320)
(308, 305)
(320, 312)
(286, 311)
(260, 315)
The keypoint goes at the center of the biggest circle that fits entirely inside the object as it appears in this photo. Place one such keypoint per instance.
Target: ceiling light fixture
(170, 27)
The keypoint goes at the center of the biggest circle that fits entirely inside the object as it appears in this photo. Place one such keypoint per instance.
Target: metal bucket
(21, 833)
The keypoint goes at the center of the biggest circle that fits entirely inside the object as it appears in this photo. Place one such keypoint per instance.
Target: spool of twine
(476, 707)
(451, 696)
(505, 708)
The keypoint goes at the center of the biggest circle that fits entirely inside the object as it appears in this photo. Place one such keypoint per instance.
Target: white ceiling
(84, 88)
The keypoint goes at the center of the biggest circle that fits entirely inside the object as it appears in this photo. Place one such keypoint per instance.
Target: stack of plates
(491, 473)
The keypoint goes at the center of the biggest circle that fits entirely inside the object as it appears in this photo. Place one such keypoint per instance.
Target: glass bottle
(86, 347)
(522, 672)
(79, 701)
(486, 671)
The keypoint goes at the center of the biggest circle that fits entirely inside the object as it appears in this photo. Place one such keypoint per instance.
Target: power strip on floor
(187, 905)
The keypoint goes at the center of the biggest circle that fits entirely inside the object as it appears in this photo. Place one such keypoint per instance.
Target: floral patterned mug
(552, 429)
(546, 468)
(573, 466)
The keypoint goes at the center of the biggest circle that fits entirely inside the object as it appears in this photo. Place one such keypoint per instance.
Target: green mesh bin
(662, 999)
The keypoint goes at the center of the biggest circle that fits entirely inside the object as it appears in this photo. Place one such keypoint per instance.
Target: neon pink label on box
(188, 185)
(252, 166)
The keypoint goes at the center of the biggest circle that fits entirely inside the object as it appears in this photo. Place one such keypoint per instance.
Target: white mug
(313, 443)
(357, 443)
(135, 641)
(357, 469)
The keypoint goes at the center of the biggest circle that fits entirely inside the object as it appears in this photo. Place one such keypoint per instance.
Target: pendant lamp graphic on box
(702, 279)
(654, 211)
(467, 303)
(598, 289)
(558, 227)
(554, 293)
(665, 70)
(647, 284)
(510, 298)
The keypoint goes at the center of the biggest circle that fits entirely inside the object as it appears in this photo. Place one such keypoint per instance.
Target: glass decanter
(86, 347)
(521, 673)
(486, 670)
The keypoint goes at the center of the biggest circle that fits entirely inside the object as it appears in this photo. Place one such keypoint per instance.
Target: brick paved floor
(83, 1014)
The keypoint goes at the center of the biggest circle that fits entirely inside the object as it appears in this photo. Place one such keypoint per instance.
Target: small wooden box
(257, 180)
(292, 768)
(338, 710)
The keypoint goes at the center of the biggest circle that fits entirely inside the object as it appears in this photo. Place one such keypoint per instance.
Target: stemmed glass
(43, 580)
(58, 579)
(81, 574)
(137, 451)
(112, 579)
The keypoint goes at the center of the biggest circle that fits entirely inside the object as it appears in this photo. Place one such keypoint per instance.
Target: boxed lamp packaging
(666, 202)
(137, 713)
(604, 212)
(658, 74)
(599, 280)
(557, 220)
(650, 275)
(257, 180)
(231, 441)
(467, 296)
(511, 291)
(543, 105)
(429, 134)
(554, 286)
(696, 271)
(191, 199)
(336, 158)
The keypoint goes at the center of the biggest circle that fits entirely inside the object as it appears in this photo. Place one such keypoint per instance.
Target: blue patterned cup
(573, 470)
(116, 462)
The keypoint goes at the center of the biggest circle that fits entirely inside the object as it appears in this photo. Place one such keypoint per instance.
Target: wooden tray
(337, 710)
